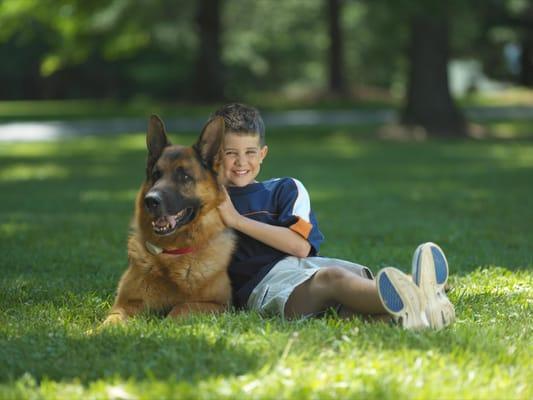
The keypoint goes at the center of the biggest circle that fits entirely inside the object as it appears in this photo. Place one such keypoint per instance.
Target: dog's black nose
(152, 201)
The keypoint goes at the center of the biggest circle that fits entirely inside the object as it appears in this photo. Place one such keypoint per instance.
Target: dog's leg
(184, 309)
(128, 301)
(121, 310)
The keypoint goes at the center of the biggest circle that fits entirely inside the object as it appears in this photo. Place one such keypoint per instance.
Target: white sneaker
(402, 298)
(430, 273)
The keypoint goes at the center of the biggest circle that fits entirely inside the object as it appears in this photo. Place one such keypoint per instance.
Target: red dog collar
(158, 250)
(183, 250)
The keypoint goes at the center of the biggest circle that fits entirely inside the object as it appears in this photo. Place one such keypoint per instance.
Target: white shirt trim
(302, 204)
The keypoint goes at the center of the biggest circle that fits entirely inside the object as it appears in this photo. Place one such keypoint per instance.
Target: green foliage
(129, 48)
(266, 43)
(120, 48)
(64, 215)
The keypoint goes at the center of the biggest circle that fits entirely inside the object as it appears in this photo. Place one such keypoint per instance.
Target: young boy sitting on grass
(276, 268)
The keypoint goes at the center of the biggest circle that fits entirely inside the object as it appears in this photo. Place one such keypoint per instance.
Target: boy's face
(242, 157)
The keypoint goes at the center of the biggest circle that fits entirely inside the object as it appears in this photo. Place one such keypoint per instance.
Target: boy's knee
(330, 277)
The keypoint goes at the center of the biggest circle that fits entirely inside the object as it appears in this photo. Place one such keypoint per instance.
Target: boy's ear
(210, 142)
(263, 152)
(156, 141)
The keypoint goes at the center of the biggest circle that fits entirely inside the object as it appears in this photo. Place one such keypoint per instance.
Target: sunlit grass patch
(510, 97)
(23, 172)
(511, 129)
(101, 195)
(13, 228)
(94, 108)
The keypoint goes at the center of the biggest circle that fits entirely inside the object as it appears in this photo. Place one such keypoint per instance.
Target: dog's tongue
(161, 222)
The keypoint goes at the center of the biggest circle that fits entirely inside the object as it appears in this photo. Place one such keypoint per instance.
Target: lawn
(38, 110)
(64, 214)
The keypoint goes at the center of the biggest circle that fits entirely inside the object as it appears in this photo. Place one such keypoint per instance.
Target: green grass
(30, 110)
(64, 213)
(513, 96)
(509, 129)
(21, 110)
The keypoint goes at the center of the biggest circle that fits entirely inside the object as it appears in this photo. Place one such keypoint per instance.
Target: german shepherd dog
(179, 248)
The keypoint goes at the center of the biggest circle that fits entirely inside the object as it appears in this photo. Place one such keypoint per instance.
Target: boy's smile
(242, 159)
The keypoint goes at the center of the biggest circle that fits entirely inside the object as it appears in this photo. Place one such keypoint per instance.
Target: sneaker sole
(441, 271)
(430, 272)
(402, 299)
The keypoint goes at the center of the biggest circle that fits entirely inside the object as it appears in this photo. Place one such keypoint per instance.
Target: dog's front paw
(113, 319)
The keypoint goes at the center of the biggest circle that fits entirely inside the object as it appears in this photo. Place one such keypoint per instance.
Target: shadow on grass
(150, 354)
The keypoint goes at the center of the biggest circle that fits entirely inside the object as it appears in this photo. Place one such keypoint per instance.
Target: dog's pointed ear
(156, 141)
(210, 142)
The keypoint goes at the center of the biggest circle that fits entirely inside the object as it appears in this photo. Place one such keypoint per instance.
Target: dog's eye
(156, 175)
(182, 175)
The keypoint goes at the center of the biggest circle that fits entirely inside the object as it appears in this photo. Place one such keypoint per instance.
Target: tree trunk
(336, 76)
(526, 63)
(209, 74)
(526, 56)
(429, 103)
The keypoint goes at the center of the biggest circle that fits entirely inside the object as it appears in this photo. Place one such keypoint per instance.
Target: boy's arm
(278, 237)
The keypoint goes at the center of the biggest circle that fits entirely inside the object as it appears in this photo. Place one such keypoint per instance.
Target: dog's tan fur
(179, 284)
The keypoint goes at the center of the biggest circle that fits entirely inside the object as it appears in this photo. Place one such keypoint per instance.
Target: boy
(276, 268)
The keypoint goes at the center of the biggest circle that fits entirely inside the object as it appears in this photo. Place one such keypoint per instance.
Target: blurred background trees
(215, 50)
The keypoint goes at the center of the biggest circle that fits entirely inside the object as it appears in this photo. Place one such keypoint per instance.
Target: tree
(336, 73)
(526, 56)
(209, 73)
(429, 103)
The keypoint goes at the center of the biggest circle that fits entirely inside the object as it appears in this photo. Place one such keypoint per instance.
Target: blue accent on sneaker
(389, 294)
(441, 271)
(416, 276)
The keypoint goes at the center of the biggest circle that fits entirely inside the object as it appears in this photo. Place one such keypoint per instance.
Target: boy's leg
(392, 293)
(333, 285)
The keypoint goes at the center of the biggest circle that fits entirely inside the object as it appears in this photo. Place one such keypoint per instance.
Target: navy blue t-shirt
(282, 202)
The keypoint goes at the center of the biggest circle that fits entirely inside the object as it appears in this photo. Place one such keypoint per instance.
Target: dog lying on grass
(179, 248)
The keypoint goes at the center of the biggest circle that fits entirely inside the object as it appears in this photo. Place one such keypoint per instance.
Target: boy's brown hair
(242, 119)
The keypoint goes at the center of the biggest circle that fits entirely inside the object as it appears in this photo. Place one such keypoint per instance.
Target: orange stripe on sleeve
(302, 227)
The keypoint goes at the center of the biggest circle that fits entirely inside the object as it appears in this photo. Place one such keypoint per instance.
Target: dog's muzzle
(165, 223)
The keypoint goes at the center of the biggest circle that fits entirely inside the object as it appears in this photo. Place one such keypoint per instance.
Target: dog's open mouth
(169, 223)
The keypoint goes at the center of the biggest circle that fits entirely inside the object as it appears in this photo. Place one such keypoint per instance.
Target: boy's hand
(278, 237)
(227, 211)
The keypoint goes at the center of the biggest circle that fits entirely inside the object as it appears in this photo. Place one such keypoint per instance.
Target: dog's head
(181, 182)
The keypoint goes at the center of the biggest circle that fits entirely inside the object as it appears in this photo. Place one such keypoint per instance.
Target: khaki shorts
(270, 295)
